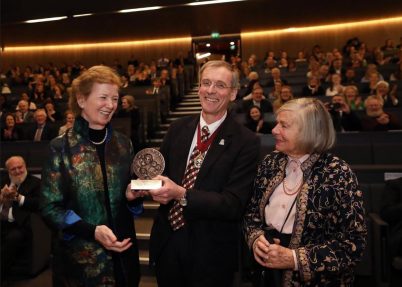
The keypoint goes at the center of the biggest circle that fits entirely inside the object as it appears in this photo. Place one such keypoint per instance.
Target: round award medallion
(148, 163)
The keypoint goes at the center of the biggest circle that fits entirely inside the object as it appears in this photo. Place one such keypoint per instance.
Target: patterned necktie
(175, 216)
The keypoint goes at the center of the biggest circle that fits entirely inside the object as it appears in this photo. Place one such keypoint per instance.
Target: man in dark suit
(195, 238)
(257, 100)
(41, 130)
(18, 199)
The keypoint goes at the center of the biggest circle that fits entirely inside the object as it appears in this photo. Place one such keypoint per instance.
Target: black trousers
(176, 267)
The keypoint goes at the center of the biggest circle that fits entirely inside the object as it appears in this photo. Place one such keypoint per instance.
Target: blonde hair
(316, 131)
(222, 64)
(82, 86)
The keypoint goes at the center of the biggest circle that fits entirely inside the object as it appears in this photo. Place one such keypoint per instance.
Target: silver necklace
(102, 141)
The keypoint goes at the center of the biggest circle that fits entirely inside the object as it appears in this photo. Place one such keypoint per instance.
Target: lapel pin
(222, 142)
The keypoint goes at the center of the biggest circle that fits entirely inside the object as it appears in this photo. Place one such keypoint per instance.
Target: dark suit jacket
(265, 106)
(217, 202)
(30, 188)
(49, 132)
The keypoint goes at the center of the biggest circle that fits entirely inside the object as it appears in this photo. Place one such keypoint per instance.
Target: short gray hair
(317, 133)
(220, 64)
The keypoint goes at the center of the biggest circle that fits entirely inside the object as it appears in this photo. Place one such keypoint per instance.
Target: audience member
(257, 100)
(52, 115)
(69, 119)
(376, 119)
(353, 99)
(255, 121)
(313, 88)
(343, 117)
(335, 87)
(41, 130)
(285, 96)
(18, 199)
(24, 115)
(10, 131)
(131, 111)
(389, 98)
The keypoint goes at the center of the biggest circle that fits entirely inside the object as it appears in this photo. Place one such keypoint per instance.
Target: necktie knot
(204, 133)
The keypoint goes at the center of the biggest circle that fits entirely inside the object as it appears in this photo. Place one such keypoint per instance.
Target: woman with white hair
(305, 221)
(383, 91)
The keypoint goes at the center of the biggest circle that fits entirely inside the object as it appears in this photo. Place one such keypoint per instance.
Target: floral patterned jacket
(329, 233)
(73, 190)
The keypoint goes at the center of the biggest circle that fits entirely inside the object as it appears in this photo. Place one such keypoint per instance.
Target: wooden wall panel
(292, 42)
(144, 51)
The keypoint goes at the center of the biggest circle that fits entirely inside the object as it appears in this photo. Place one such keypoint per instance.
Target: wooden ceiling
(174, 21)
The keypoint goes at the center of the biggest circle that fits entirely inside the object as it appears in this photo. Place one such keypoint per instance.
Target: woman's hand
(274, 255)
(132, 194)
(105, 236)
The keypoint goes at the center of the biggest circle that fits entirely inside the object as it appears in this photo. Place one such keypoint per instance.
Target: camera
(334, 106)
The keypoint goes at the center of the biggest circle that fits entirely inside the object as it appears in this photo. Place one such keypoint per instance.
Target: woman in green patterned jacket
(83, 191)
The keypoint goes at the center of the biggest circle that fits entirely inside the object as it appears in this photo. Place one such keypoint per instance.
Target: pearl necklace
(295, 189)
(102, 141)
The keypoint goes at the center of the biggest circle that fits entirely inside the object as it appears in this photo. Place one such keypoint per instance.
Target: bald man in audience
(19, 197)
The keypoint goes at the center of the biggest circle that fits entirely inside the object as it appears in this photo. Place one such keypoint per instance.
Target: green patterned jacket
(73, 190)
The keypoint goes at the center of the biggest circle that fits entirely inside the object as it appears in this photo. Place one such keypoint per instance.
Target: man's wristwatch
(183, 200)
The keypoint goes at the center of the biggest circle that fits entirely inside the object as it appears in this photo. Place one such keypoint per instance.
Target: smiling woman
(306, 210)
(84, 183)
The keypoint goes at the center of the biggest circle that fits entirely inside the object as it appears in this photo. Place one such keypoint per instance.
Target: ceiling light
(232, 43)
(46, 19)
(82, 15)
(211, 2)
(208, 44)
(140, 9)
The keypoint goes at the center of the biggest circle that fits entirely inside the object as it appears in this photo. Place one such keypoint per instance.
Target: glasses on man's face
(219, 85)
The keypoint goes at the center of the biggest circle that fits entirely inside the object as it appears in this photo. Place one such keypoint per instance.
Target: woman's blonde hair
(82, 86)
(316, 130)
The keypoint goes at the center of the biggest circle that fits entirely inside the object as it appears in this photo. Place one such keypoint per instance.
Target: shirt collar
(214, 126)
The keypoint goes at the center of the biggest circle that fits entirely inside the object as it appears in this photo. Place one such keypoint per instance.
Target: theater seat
(36, 256)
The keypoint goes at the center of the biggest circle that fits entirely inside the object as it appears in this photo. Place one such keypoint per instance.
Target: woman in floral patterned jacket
(83, 191)
(305, 222)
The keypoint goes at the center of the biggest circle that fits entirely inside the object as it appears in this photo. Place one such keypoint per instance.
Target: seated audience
(52, 115)
(335, 86)
(285, 96)
(275, 76)
(343, 117)
(389, 97)
(131, 111)
(353, 99)
(376, 119)
(255, 121)
(18, 199)
(24, 115)
(10, 131)
(69, 122)
(313, 88)
(350, 77)
(257, 100)
(371, 68)
(41, 130)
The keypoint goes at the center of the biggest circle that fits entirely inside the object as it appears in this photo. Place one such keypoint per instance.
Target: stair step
(187, 113)
(188, 103)
(183, 109)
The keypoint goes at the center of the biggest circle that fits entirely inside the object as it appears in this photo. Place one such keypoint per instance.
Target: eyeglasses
(219, 85)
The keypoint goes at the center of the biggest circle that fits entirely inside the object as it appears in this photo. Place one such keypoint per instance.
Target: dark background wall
(180, 21)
